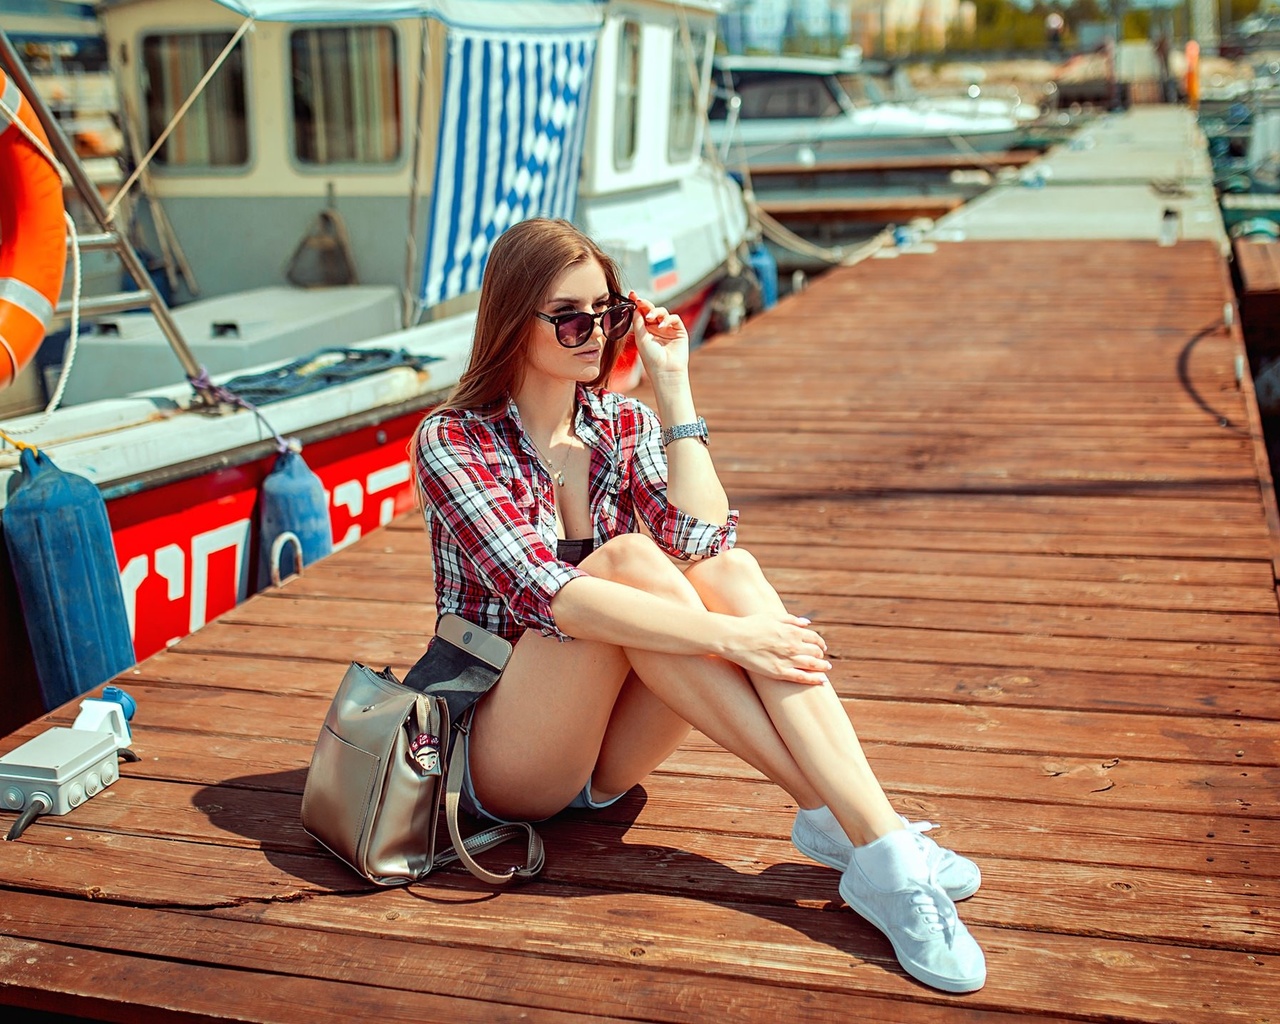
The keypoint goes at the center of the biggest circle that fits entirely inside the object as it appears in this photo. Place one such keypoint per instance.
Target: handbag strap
(464, 848)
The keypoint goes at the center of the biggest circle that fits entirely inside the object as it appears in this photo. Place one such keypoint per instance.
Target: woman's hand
(779, 647)
(661, 338)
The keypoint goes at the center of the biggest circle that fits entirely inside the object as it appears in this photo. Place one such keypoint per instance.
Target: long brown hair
(523, 265)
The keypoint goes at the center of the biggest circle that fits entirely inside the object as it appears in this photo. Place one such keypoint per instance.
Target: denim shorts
(471, 805)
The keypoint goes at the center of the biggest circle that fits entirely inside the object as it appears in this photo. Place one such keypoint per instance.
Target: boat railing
(733, 110)
(108, 235)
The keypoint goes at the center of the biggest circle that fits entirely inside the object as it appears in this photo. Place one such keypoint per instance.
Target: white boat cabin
(304, 118)
(295, 164)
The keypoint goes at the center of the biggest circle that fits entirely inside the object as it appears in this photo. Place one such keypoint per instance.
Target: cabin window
(215, 131)
(626, 109)
(862, 90)
(809, 96)
(346, 95)
(684, 97)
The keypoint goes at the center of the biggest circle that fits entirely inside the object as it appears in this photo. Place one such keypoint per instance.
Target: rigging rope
(700, 104)
(324, 368)
(211, 392)
(173, 122)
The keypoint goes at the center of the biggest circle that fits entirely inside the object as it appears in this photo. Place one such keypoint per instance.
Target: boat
(811, 112)
(890, 81)
(833, 163)
(265, 205)
(262, 189)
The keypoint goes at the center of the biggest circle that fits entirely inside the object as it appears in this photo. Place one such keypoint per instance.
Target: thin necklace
(556, 474)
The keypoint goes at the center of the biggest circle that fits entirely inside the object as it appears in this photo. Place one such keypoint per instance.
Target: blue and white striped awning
(513, 116)
(510, 146)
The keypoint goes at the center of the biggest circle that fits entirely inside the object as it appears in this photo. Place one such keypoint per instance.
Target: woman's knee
(733, 581)
(634, 559)
(733, 566)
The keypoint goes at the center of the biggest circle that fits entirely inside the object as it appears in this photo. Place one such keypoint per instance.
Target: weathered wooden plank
(1014, 457)
(855, 554)
(1034, 972)
(851, 547)
(1048, 687)
(1085, 594)
(1000, 512)
(1054, 687)
(1079, 782)
(1062, 620)
(1218, 662)
(353, 581)
(384, 646)
(871, 209)
(64, 978)
(411, 962)
(1208, 741)
(752, 819)
(932, 772)
(839, 949)
(1234, 485)
(925, 611)
(1182, 658)
(1238, 741)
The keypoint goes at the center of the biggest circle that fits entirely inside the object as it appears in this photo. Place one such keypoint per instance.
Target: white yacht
(811, 111)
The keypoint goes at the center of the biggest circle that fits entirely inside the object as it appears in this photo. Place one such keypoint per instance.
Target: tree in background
(993, 26)
(1002, 25)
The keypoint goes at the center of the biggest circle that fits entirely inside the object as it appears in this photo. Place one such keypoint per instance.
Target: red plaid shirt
(490, 507)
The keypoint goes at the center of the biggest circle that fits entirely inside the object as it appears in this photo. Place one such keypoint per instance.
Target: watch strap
(697, 429)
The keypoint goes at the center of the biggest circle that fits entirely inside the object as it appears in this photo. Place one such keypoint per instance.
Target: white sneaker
(818, 835)
(891, 884)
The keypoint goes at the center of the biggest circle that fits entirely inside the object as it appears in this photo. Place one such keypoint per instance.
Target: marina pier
(1016, 476)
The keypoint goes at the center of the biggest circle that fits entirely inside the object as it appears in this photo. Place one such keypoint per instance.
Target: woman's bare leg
(810, 719)
(566, 712)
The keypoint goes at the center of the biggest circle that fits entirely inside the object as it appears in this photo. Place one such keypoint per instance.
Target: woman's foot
(818, 835)
(890, 883)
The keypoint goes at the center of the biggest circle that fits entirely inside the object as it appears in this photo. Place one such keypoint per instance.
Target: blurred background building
(826, 26)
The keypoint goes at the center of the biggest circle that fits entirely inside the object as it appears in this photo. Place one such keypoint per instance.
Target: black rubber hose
(37, 807)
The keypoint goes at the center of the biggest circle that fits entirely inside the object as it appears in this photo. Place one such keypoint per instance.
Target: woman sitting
(593, 533)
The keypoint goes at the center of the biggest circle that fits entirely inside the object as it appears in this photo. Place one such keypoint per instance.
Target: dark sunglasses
(573, 329)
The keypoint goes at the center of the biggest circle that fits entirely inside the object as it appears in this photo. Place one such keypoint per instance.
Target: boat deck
(1018, 486)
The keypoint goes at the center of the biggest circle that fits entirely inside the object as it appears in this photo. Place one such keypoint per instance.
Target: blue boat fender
(1257, 229)
(765, 268)
(68, 580)
(293, 502)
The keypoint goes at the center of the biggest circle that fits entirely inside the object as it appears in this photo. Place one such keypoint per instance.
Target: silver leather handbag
(377, 775)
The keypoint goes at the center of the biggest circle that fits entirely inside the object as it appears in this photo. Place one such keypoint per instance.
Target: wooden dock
(822, 208)
(1022, 492)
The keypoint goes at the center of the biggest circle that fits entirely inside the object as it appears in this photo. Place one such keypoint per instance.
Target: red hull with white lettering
(188, 550)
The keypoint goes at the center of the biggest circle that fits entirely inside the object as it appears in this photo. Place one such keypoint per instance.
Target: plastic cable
(39, 805)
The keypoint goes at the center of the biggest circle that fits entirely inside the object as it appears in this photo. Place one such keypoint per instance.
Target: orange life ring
(33, 237)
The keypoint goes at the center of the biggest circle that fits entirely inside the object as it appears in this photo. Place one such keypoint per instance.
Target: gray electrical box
(67, 766)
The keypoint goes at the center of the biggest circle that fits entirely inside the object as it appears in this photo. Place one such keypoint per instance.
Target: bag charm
(424, 749)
